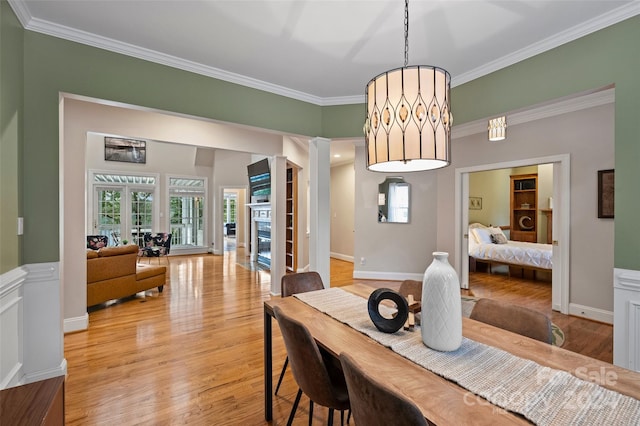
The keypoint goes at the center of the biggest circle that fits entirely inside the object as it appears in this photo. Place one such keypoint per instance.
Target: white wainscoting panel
(626, 321)
(11, 327)
(43, 335)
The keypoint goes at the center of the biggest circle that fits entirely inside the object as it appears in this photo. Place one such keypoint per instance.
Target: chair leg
(310, 412)
(341, 417)
(349, 416)
(284, 368)
(294, 408)
(330, 420)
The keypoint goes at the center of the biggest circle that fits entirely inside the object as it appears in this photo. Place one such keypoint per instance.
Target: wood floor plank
(194, 353)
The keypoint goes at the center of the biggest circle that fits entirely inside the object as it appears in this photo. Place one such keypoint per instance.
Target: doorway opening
(230, 209)
(560, 221)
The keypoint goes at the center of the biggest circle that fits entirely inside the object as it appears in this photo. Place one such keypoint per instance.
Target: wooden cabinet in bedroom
(524, 204)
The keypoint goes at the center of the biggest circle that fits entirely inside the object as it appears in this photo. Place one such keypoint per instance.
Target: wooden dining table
(440, 400)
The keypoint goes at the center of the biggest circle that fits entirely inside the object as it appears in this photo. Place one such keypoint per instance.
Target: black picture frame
(125, 150)
(606, 194)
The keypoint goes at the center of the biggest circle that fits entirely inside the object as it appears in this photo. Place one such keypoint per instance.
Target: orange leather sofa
(113, 273)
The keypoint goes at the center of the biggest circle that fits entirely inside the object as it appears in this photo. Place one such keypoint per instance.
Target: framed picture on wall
(605, 193)
(475, 203)
(125, 150)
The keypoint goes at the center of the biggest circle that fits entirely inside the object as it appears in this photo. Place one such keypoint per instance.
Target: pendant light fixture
(408, 124)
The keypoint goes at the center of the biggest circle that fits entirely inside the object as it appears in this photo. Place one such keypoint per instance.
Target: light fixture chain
(406, 32)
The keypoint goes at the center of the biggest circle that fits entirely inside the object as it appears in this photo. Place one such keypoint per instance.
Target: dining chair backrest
(373, 403)
(411, 287)
(300, 282)
(514, 318)
(308, 366)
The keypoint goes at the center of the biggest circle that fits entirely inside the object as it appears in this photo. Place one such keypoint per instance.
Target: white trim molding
(32, 23)
(341, 256)
(43, 324)
(80, 323)
(31, 338)
(548, 109)
(11, 327)
(591, 313)
(626, 321)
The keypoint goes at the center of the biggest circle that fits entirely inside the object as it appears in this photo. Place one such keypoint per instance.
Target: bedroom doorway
(560, 221)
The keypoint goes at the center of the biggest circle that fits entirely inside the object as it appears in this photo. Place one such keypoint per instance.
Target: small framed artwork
(125, 150)
(475, 203)
(605, 193)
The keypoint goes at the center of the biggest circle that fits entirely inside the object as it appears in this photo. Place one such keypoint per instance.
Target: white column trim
(319, 204)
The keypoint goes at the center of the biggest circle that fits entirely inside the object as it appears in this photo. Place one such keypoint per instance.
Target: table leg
(268, 369)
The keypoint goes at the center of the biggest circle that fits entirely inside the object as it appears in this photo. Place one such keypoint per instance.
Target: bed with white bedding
(490, 245)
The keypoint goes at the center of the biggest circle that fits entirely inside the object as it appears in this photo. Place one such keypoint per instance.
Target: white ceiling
(322, 51)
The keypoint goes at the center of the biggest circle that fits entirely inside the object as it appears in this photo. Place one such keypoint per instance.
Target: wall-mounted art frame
(125, 150)
(475, 203)
(606, 179)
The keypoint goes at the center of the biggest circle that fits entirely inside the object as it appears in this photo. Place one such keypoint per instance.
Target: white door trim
(561, 218)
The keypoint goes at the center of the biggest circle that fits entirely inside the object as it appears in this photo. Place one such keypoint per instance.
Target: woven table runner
(543, 395)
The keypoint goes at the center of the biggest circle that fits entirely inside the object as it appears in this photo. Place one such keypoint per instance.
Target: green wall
(342, 121)
(609, 56)
(51, 65)
(11, 84)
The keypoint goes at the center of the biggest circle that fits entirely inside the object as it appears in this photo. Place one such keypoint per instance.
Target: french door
(122, 213)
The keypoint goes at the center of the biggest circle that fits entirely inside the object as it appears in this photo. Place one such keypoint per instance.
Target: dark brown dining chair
(291, 284)
(412, 287)
(323, 383)
(514, 318)
(373, 403)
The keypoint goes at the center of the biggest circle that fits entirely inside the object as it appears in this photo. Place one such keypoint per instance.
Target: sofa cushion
(107, 267)
(147, 271)
(92, 254)
(117, 251)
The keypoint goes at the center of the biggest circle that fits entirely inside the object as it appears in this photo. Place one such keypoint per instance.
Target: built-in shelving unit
(524, 204)
(291, 223)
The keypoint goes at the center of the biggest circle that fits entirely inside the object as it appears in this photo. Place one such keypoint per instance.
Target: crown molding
(116, 46)
(30, 23)
(22, 11)
(613, 17)
(539, 112)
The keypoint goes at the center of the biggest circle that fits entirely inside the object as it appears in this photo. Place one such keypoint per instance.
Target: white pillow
(497, 231)
(497, 236)
(483, 235)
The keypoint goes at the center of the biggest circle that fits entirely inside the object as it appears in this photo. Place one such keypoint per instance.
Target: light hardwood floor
(194, 354)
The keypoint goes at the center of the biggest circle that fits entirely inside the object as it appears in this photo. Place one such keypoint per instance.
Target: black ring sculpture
(388, 325)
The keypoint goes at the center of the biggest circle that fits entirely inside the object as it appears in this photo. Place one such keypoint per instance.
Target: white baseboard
(61, 370)
(386, 276)
(14, 378)
(76, 323)
(177, 251)
(591, 313)
(341, 256)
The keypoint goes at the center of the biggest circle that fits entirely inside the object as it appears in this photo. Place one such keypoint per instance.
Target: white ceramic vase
(441, 317)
